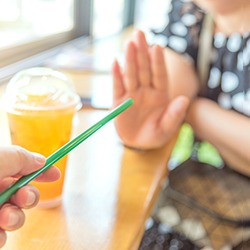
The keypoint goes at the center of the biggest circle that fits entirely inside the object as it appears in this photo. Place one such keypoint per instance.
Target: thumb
(175, 114)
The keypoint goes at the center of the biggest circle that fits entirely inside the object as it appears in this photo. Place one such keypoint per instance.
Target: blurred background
(60, 34)
(28, 27)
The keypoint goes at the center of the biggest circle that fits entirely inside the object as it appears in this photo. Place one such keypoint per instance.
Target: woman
(166, 86)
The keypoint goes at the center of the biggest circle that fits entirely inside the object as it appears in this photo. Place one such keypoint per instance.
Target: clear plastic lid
(39, 89)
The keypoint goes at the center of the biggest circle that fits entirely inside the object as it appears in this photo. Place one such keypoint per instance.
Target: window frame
(82, 19)
(129, 13)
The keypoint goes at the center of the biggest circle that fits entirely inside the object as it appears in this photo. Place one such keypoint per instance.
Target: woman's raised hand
(154, 118)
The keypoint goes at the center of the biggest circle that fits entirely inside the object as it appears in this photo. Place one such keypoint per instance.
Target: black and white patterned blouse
(229, 76)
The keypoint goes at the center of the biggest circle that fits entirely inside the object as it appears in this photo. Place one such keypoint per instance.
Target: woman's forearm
(227, 130)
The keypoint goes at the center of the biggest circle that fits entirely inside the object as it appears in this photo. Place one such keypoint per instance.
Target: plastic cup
(40, 105)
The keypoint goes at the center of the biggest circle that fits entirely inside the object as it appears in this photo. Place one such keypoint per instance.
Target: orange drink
(40, 114)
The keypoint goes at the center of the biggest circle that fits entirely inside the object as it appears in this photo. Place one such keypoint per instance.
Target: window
(112, 16)
(107, 17)
(27, 20)
(31, 26)
(151, 14)
(32, 31)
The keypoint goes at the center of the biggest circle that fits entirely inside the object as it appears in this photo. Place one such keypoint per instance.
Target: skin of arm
(182, 77)
(227, 130)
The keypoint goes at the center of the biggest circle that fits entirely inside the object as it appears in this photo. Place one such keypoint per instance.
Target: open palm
(153, 118)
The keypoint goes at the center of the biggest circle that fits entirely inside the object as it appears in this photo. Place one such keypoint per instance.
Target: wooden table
(109, 190)
(109, 193)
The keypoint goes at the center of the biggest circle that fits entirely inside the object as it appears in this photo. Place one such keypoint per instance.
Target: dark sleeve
(182, 32)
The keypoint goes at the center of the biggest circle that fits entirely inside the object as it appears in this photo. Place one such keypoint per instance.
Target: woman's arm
(227, 130)
(182, 76)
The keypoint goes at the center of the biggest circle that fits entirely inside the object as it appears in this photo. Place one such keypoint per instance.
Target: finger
(11, 217)
(26, 197)
(16, 160)
(6, 182)
(118, 86)
(51, 174)
(130, 68)
(159, 70)
(143, 59)
(175, 114)
(3, 238)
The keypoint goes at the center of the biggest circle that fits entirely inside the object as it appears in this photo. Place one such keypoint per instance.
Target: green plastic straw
(57, 155)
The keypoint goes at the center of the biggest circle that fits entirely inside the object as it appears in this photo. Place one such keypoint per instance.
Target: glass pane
(151, 14)
(107, 17)
(25, 20)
